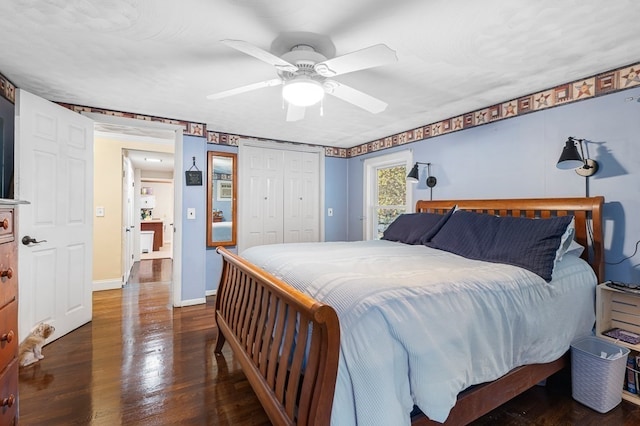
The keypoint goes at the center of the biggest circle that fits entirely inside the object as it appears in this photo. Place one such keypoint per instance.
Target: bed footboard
(287, 342)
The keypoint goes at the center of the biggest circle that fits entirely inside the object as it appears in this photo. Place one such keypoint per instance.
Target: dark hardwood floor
(141, 362)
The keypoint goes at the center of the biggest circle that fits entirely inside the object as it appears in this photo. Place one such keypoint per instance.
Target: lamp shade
(570, 157)
(413, 174)
(302, 91)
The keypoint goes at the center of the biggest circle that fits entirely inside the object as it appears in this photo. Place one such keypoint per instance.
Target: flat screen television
(7, 111)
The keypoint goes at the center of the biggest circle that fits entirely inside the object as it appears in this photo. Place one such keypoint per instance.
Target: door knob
(26, 240)
(7, 402)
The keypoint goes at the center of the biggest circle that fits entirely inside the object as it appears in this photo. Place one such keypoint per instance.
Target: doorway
(154, 195)
(117, 134)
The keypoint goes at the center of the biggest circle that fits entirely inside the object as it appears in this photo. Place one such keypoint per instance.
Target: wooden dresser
(8, 317)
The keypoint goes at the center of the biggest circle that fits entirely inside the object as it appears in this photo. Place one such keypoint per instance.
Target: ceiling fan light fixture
(303, 92)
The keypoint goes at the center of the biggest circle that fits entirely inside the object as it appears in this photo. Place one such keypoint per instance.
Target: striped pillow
(527, 243)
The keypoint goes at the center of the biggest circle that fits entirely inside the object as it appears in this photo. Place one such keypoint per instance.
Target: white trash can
(146, 241)
(597, 372)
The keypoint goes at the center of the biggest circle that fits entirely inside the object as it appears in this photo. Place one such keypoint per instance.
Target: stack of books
(632, 378)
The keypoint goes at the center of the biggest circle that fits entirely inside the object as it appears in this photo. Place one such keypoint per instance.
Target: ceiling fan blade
(261, 54)
(247, 88)
(295, 113)
(368, 57)
(356, 97)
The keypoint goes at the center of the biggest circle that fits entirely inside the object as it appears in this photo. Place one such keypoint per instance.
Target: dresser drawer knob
(6, 273)
(8, 402)
(8, 337)
(5, 223)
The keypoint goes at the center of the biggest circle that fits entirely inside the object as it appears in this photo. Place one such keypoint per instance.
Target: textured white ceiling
(162, 57)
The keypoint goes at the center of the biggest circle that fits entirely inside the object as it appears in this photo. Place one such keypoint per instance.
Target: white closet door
(301, 197)
(272, 211)
(311, 200)
(279, 194)
(293, 194)
(262, 196)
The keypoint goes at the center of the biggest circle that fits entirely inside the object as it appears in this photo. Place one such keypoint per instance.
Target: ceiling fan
(305, 74)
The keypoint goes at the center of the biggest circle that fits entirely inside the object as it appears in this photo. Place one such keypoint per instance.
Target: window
(386, 194)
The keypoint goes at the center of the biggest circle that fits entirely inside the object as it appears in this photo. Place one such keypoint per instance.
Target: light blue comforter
(419, 325)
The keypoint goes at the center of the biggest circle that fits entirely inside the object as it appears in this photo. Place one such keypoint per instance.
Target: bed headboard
(587, 212)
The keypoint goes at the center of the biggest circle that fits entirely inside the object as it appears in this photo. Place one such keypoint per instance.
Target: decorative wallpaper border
(219, 138)
(596, 85)
(7, 89)
(188, 127)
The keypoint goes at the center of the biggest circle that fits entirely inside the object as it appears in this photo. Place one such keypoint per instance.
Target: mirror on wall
(221, 199)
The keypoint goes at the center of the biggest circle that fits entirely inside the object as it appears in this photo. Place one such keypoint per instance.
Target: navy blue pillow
(527, 243)
(415, 228)
(424, 236)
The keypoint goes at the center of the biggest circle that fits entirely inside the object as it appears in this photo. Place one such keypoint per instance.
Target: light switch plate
(191, 213)
(329, 211)
(99, 211)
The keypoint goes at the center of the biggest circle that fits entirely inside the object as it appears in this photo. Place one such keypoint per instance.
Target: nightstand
(615, 308)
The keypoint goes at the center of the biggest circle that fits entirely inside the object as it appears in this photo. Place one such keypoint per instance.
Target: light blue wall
(516, 158)
(193, 230)
(336, 184)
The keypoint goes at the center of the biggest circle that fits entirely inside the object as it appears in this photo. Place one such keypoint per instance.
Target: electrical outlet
(191, 213)
(329, 211)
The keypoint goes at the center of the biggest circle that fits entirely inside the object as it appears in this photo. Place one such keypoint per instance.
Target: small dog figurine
(31, 348)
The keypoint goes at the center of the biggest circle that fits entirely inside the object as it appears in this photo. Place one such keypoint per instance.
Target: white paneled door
(301, 197)
(54, 172)
(261, 184)
(128, 221)
(279, 195)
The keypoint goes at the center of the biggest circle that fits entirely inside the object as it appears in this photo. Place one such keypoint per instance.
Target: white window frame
(371, 166)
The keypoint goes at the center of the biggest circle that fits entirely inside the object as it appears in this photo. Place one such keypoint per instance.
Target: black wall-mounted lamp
(572, 159)
(414, 175)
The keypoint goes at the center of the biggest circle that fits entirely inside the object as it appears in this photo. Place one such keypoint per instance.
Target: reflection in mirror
(221, 199)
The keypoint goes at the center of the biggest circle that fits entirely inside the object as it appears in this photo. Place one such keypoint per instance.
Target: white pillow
(575, 249)
(566, 240)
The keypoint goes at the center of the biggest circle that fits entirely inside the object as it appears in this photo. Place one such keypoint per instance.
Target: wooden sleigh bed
(263, 318)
